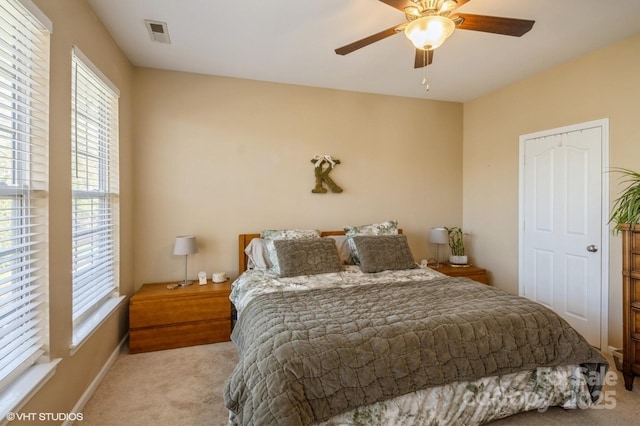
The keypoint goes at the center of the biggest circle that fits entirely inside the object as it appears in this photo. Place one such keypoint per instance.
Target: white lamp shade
(429, 32)
(439, 236)
(185, 245)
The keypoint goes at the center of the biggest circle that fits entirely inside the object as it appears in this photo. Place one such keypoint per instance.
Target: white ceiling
(293, 41)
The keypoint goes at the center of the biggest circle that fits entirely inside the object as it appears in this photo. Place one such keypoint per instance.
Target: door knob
(592, 248)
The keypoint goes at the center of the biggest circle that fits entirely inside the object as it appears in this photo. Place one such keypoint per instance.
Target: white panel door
(562, 231)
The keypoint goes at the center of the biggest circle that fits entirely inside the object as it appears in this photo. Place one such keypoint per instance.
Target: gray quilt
(309, 355)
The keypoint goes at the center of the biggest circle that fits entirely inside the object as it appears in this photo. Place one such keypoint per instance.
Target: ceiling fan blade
(421, 55)
(492, 24)
(366, 41)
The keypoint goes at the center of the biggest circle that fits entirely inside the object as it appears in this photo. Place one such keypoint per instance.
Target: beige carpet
(184, 387)
(173, 387)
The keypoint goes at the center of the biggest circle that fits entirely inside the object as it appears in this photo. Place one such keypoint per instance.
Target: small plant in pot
(456, 244)
(626, 208)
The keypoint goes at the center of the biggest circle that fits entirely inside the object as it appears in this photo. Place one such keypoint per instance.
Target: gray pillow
(383, 252)
(307, 256)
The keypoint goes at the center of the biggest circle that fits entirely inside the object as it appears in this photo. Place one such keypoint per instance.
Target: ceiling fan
(430, 22)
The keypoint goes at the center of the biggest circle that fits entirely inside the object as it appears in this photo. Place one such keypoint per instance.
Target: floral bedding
(255, 282)
(476, 402)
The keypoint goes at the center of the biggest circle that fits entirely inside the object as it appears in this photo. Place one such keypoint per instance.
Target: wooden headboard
(245, 239)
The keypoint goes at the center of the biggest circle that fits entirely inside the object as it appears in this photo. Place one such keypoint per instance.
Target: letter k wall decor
(323, 164)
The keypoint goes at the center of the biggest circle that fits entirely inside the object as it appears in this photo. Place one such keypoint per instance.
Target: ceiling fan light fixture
(429, 32)
(448, 5)
(411, 12)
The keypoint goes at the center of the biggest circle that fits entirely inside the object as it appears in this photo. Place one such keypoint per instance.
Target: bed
(405, 345)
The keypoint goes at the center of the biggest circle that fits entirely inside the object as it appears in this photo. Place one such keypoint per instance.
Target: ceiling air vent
(158, 31)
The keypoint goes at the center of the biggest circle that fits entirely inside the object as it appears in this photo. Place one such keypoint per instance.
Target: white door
(562, 223)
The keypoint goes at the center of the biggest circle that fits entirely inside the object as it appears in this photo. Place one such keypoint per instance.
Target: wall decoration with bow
(323, 164)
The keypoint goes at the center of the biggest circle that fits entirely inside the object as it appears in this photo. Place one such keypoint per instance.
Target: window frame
(106, 194)
(25, 51)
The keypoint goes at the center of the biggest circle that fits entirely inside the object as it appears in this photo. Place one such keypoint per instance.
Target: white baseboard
(88, 393)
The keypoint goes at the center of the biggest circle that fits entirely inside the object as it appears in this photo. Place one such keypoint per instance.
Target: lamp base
(184, 283)
(431, 263)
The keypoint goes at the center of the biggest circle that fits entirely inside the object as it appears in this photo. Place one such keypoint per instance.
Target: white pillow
(344, 251)
(258, 255)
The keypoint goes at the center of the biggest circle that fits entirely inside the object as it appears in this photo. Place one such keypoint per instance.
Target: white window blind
(94, 148)
(24, 127)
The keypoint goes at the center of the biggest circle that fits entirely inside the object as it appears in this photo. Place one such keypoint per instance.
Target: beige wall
(74, 23)
(216, 157)
(604, 84)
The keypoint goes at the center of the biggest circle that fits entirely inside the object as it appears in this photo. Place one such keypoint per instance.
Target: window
(24, 128)
(94, 167)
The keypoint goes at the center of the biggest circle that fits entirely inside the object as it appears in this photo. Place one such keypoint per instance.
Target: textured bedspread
(306, 356)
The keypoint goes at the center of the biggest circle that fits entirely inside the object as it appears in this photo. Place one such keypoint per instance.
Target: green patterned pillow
(390, 227)
(271, 235)
(384, 253)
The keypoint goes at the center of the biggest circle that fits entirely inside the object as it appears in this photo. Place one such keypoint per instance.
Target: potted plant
(626, 208)
(456, 244)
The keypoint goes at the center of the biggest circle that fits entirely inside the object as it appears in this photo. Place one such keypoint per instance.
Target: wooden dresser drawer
(635, 263)
(634, 242)
(472, 272)
(481, 277)
(148, 313)
(179, 335)
(162, 318)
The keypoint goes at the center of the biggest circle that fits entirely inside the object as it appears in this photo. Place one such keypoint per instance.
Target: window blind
(94, 148)
(24, 127)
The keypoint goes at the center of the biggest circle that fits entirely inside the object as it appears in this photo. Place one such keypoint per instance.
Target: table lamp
(184, 246)
(438, 236)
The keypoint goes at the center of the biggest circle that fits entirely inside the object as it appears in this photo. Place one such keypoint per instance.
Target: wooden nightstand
(473, 272)
(160, 318)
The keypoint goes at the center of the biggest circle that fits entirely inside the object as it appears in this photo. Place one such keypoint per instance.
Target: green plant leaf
(626, 208)
(456, 240)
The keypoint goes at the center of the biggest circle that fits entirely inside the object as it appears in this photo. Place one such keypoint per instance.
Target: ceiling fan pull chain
(425, 80)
